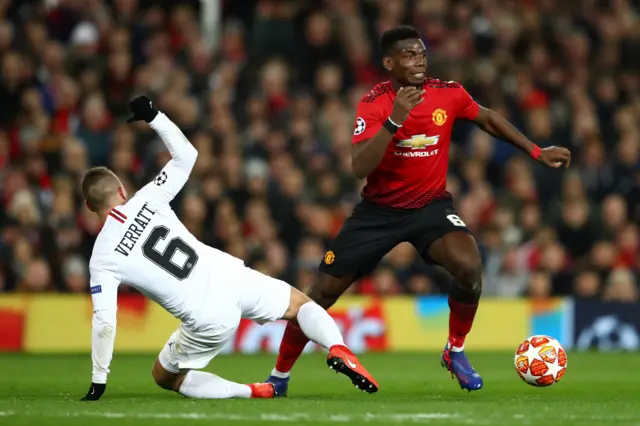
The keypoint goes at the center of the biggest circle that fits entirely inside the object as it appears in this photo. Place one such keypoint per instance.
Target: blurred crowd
(271, 107)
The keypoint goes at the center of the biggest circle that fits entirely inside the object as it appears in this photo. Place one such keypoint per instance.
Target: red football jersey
(413, 171)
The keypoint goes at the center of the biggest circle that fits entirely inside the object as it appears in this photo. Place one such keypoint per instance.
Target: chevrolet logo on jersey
(418, 142)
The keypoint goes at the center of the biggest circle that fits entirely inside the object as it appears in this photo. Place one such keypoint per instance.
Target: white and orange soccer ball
(541, 361)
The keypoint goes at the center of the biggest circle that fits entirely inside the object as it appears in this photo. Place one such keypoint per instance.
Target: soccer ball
(541, 361)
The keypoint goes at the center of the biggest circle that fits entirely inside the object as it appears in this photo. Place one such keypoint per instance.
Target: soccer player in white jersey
(144, 244)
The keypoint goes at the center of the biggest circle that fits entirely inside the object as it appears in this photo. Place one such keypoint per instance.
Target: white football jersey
(143, 244)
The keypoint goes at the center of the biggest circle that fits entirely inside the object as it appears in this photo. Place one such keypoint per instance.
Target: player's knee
(162, 377)
(162, 380)
(297, 299)
(468, 274)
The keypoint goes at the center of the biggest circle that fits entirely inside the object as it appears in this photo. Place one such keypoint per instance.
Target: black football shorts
(373, 230)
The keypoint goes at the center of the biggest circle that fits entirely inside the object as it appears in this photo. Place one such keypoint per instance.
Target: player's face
(409, 62)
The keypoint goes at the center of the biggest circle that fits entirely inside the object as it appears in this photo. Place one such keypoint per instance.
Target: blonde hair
(99, 185)
(24, 207)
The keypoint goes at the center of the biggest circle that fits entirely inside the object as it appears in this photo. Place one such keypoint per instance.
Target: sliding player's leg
(175, 368)
(294, 339)
(320, 328)
(268, 299)
(367, 235)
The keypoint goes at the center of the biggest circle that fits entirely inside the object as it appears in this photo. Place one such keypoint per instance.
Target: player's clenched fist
(407, 98)
(142, 109)
(555, 156)
(95, 392)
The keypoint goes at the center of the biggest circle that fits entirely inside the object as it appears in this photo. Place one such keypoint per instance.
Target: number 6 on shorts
(455, 219)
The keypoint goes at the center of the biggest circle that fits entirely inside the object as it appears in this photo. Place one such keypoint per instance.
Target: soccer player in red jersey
(401, 146)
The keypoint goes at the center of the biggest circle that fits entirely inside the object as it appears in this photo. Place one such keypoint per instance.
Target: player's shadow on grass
(132, 398)
(387, 397)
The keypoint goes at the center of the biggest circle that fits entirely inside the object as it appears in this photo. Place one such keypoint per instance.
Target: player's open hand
(407, 98)
(555, 156)
(95, 392)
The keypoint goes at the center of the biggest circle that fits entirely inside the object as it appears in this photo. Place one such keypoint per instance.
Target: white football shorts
(257, 297)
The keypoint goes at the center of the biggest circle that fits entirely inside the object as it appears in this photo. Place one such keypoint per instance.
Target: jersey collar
(424, 86)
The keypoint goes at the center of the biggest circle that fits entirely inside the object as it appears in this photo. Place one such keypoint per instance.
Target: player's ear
(122, 192)
(387, 62)
(86, 203)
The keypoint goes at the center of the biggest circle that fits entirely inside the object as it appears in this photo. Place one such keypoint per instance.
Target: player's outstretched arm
(182, 152)
(183, 155)
(497, 126)
(103, 336)
(104, 294)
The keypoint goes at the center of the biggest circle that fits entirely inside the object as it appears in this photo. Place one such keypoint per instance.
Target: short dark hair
(99, 184)
(394, 35)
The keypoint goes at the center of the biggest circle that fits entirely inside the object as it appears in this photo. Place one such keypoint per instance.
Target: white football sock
(456, 348)
(318, 325)
(198, 384)
(280, 374)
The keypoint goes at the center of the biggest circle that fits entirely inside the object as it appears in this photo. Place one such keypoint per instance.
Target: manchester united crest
(439, 117)
(329, 257)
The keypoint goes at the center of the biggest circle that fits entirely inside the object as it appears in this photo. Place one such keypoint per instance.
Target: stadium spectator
(270, 110)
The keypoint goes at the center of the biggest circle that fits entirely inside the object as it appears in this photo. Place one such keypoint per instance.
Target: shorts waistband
(369, 203)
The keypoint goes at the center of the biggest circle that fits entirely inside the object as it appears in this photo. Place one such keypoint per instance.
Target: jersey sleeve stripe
(116, 217)
(118, 213)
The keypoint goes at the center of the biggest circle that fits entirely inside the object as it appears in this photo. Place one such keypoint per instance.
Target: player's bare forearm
(367, 155)
(497, 126)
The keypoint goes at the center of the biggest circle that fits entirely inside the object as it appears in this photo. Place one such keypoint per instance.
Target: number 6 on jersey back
(169, 258)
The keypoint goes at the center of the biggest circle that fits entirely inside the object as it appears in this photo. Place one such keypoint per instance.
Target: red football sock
(292, 345)
(461, 317)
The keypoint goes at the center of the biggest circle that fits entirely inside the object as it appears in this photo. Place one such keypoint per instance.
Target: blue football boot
(280, 385)
(460, 367)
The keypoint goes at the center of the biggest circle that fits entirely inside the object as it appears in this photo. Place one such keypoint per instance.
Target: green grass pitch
(602, 389)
